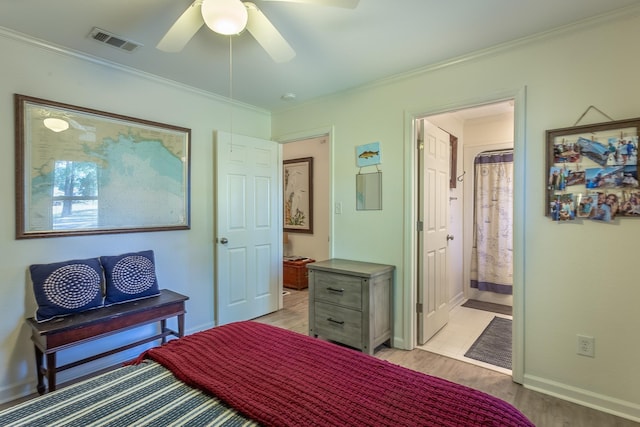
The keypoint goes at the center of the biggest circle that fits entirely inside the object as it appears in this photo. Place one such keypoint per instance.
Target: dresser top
(354, 268)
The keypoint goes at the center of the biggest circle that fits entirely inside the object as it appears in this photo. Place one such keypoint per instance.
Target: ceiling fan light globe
(225, 17)
(55, 124)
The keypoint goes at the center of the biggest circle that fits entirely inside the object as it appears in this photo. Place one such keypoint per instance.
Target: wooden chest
(295, 273)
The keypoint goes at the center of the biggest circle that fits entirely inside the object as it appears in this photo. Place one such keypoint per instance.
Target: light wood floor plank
(541, 409)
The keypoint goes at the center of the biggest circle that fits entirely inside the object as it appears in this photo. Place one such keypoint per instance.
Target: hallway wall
(316, 245)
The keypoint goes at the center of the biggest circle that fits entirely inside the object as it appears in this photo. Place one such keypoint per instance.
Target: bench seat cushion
(66, 287)
(129, 276)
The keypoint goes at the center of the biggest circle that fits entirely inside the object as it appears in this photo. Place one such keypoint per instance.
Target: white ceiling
(337, 48)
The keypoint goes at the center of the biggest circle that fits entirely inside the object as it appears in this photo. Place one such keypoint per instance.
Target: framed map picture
(298, 195)
(83, 171)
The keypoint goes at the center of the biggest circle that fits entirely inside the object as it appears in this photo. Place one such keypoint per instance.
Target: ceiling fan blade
(267, 35)
(182, 30)
(347, 4)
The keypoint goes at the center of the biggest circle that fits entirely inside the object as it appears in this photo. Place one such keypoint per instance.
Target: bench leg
(180, 325)
(163, 328)
(40, 370)
(51, 371)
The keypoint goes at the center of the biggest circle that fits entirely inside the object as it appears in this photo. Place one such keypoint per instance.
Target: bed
(249, 373)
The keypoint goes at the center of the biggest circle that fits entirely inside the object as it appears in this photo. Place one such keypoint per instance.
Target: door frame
(328, 132)
(406, 331)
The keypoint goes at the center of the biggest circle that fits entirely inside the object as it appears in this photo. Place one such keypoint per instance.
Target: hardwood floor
(541, 409)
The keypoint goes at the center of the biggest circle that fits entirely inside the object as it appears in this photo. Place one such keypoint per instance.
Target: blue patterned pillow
(67, 287)
(129, 276)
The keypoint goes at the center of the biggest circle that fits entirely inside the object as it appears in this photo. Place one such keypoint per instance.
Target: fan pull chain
(231, 91)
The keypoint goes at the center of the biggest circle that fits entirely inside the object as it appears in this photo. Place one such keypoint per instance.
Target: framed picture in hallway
(298, 195)
(597, 165)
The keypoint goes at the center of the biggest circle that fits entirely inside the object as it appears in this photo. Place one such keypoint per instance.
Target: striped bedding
(141, 395)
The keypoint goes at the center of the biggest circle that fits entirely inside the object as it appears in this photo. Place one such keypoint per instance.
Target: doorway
(486, 127)
(314, 245)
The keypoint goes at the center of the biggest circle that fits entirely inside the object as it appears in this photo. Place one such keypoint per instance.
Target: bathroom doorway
(479, 129)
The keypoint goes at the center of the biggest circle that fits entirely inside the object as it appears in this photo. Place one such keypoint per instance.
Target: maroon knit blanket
(282, 378)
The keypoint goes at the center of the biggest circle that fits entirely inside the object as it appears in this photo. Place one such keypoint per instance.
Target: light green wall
(578, 279)
(184, 258)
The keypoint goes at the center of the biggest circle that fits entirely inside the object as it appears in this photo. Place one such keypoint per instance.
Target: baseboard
(456, 301)
(607, 404)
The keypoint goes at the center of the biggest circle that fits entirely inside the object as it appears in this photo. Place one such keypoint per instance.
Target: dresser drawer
(339, 324)
(338, 289)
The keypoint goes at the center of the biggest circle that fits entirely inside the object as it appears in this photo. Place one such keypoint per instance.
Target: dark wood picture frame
(453, 156)
(577, 150)
(71, 181)
(297, 178)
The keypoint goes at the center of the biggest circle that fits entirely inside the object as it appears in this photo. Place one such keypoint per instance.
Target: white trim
(48, 46)
(457, 300)
(628, 11)
(599, 402)
(519, 212)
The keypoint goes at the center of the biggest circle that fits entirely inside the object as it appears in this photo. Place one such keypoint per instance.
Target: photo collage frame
(592, 172)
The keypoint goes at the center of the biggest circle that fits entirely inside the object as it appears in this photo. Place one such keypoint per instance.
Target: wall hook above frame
(587, 110)
(460, 178)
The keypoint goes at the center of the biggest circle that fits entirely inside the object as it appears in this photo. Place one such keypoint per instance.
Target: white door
(248, 249)
(433, 286)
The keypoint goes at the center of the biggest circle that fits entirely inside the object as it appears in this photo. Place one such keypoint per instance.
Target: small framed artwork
(368, 155)
(82, 171)
(298, 195)
(593, 168)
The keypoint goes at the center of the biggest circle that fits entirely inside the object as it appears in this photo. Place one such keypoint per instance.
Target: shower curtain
(492, 251)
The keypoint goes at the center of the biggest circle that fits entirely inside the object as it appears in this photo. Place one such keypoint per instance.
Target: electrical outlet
(586, 346)
(338, 207)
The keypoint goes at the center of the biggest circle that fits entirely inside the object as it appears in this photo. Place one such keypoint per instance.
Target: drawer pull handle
(338, 322)
(335, 290)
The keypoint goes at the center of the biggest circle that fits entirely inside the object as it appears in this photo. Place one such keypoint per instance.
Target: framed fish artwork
(368, 154)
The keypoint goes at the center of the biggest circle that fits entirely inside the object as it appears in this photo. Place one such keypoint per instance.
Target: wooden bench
(67, 332)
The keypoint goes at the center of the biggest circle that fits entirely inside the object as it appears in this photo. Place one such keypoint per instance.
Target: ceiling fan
(245, 14)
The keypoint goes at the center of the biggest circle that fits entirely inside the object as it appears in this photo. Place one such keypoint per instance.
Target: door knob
(449, 237)
(224, 240)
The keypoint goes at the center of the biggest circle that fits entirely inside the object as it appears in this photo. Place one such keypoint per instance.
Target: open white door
(433, 286)
(248, 225)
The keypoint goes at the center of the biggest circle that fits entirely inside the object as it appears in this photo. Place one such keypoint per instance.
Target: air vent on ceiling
(113, 40)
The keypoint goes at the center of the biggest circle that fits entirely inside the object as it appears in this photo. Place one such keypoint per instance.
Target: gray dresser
(350, 302)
